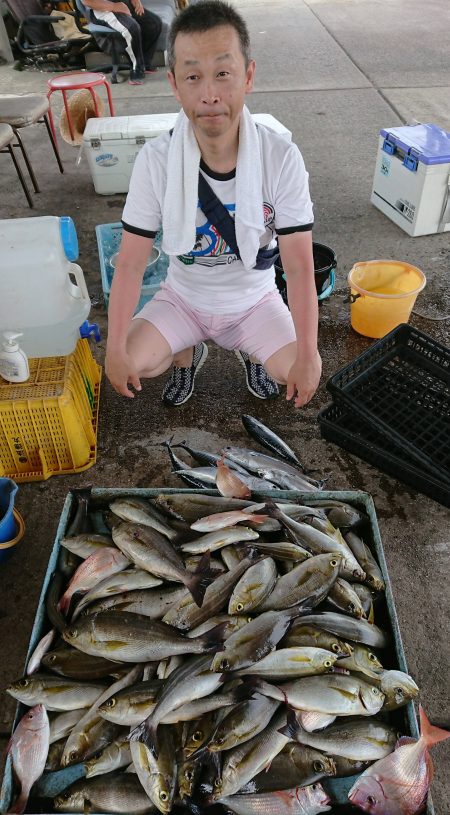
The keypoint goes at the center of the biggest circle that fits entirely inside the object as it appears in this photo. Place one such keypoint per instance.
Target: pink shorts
(261, 330)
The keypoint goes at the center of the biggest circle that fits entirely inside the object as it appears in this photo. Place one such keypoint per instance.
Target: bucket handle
(352, 297)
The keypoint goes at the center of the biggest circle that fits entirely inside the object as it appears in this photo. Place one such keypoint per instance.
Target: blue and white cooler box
(412, 178)
(111, 144)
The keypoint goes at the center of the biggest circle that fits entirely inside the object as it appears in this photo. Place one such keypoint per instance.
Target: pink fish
(221, 520)
(228, 482)
(103, 563)
(398, 784)
(28, 748)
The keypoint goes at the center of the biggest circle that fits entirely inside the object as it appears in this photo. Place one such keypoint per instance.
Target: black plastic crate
(400, 386)
(341, 426)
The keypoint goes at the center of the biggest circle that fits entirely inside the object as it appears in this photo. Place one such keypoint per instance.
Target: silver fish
(139, 511)
(360, 739)
(191, 507)
(267, 438)
(210, 459)
(398, 688)
(243, 723)
(42, 647)
(292, 662)
(295, 766)
(365, 557)
(62, 725)
(256, 639)
(134, 638)
(242, 763)
(253, 587)
(127, 580)
(311, 581)
(363, 661)
(74, 664)
(153, 603)
(186, 614)
(345, 598)
(133, 704)
(153, 552)
(194, 677)
(349, 628)
(302, 634)
(55, 692)
(28, 749)
(122, 794)
(113, 757)
(335, 694)
(219, 538)
(298, 801)
(207, 477)
(158, 775)
(86, 543)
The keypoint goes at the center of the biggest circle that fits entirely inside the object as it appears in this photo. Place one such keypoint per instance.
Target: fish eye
(52, 658)
(163, 796)
(351, 607)
(318, 766)
(73, 755)
(333, 562)
(224, 665)
(217, 782)
(335, 647)
(372, 657)
(23, 683)
(399, 691)
(375, 691)
(239, 606)
(30, 716)
(71, 632)
(189, 774)
(220, 739)
(110, 702)
(197, 736)
(371, 800)
(328, 663)
(313, 787)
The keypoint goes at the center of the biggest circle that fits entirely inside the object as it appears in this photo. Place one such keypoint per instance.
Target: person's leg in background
(150, 25)
(130, 29)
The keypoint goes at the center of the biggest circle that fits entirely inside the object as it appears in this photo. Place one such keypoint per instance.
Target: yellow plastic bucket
(382, 295)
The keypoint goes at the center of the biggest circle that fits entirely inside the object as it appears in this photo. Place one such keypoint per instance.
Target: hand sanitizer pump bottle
(13, 361)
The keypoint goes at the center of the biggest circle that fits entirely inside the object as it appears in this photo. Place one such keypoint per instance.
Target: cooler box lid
(108, 128)
(428, 143)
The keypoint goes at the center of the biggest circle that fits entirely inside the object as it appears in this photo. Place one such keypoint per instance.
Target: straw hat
(81, 107)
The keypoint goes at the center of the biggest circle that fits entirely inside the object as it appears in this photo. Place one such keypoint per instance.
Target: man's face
(210, 79)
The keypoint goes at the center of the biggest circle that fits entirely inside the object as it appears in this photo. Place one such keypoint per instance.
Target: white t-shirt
(211, 278)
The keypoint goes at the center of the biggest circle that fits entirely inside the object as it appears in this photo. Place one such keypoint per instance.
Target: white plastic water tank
(43, 293)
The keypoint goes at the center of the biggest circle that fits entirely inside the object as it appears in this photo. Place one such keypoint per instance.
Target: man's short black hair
(202, 17)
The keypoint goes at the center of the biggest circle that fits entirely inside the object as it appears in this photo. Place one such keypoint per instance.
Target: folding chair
(23, 111)
(6, 146)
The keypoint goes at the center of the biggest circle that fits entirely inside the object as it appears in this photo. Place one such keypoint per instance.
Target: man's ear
(250, 76)
(173, 85)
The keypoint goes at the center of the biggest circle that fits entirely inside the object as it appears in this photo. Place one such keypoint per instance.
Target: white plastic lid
(10, 337)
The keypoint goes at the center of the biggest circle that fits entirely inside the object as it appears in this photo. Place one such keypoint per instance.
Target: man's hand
(121, 8)
(138, 7)
(121, 372)
(303, 379)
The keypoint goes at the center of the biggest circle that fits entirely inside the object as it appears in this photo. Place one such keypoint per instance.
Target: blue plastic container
(8, 523)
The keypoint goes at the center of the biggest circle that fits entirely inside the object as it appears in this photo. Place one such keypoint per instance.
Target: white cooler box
(411, 184)
(112, 144)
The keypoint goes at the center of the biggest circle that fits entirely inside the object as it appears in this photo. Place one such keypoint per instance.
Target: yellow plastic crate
(48, 425)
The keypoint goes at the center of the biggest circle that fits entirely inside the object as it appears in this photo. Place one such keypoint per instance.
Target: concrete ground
(334, 72)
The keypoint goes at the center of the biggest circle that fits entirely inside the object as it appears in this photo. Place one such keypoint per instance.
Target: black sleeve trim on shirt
(135, 230)
(288, 230)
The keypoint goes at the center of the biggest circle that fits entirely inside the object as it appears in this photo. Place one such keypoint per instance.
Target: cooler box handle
(77, 290)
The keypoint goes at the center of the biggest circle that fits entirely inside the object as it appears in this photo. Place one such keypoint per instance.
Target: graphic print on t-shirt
(210, 249)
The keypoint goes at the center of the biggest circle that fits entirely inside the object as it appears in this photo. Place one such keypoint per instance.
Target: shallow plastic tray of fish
(404, 718)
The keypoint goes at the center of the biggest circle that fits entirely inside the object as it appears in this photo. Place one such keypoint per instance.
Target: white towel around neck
(181, 196)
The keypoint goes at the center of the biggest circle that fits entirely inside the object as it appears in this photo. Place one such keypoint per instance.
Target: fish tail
(146, 732)
(198, 581)
(264, 688)
(214, 638)
(20, 802)
(428, 732)
(292, 728)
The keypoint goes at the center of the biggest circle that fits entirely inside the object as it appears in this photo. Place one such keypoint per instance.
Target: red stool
(74, 82)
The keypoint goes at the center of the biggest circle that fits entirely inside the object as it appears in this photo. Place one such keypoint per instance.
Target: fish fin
(258, 519)
(371, 617)
(215, 637)
(404, 740)
(198, 581)
(428, 732)
(430, 768)
(146, 733)
(242, 693)
(87, 806)
(292, 728)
